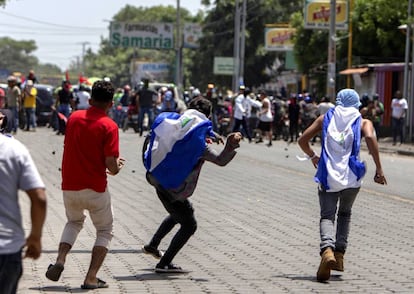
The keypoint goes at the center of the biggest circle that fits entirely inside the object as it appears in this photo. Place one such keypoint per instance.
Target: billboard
(223, 66)
(317, 14)
(141, 35)
(279, 39)
(191, 35)
(154, 71)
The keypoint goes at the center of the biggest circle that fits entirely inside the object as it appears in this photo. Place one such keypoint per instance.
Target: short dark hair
(201, 104)
(102, 91)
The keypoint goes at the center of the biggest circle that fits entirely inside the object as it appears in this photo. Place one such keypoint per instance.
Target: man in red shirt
(91, 151)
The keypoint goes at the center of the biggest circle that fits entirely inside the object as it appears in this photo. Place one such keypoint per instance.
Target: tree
(218, 40)
(376, 34)
(375, 40)
(17, 55)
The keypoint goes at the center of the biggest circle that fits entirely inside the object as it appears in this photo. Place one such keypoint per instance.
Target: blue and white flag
(176, 145)
(339, 166)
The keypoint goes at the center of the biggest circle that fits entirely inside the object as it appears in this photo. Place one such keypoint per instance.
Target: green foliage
(376, 39)
(375, 30)
(16, 55)
(218, 40)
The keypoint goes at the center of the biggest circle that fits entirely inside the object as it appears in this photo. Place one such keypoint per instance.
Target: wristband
(313, 156)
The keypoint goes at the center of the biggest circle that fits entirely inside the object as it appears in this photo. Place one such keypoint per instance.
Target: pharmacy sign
(141, 35)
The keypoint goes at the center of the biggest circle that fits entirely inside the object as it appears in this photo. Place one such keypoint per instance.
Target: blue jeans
(11, 270)
(142, 111)
(64, 109)
(398, 129)
(30, 118)
(15, 120)
(328, 202)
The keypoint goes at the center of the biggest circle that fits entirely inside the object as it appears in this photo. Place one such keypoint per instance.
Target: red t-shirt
(90, 137)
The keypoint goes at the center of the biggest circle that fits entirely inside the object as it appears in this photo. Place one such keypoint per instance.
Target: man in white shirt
(399, 108)
(18, 172)
(242, 105)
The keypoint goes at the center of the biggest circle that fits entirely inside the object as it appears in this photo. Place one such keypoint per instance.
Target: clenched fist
(233, 140)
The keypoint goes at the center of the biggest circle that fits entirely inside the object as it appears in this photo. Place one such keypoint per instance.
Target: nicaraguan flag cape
(177, 142)
(339, 166)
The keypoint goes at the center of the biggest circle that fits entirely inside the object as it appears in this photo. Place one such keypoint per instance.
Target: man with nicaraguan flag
(177, 149)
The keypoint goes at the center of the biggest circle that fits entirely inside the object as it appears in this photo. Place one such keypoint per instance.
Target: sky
(63, 29)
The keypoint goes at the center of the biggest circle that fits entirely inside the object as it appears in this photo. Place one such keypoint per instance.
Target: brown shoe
(339, 266)
(327, 263)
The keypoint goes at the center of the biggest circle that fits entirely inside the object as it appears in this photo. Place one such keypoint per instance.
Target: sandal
(99, 284)
(54, 271)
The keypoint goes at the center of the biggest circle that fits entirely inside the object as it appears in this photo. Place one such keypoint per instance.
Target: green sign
(141, 35)
(223, 66)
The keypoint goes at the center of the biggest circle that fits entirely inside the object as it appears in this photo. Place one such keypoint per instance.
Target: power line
(49, 23)
(47, 33)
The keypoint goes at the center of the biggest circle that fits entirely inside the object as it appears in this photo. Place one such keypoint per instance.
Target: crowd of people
(262, 115)
(259, 114)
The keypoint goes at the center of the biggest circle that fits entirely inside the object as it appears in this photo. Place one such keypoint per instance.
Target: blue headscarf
(348, 98)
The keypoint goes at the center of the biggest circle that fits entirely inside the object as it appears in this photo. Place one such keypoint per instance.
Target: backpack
(174, 146)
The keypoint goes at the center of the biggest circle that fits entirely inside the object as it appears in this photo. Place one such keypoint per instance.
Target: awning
(351, 71)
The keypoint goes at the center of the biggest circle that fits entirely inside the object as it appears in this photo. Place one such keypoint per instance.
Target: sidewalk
(385, 145)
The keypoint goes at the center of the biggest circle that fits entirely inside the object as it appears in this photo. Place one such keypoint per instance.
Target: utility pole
(242, 43)
(411, 98)
(178, 48)
(82, 63)
(236, 49)
(349, 65)
(331, 73)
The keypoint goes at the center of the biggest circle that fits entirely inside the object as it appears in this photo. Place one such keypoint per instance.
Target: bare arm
(38, 216)
(227, 154)
(372, 144)
(307, 135)
(114, 165)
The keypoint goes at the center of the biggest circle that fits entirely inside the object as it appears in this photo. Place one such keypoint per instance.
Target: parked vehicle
(44, 103)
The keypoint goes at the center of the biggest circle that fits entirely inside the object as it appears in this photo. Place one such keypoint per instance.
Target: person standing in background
(325, 105)
(294, 117)
(18, 172)
(399, 106)
(265, 118)
(82, 97)
(13, 101)
(29, 105)
(146, 101)
(379, 111)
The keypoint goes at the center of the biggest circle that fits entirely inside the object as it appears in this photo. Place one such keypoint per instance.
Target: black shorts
(265, 126)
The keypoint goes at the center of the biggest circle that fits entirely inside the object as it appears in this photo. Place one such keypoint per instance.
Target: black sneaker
(152, 251)
(171, 268)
